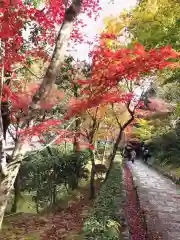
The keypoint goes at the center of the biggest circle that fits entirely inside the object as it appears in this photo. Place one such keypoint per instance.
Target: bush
(165, 148)
(103, 222)
(45, 174)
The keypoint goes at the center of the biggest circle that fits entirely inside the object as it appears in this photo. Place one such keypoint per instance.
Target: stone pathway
(160, 200)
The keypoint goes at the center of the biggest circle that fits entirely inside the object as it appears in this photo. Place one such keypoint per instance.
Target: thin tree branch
(117, 120)
(55, 139)
(11, 134)
(3, 163)
(56, 60)
(29, 70)
(49, 144)
(127, 85)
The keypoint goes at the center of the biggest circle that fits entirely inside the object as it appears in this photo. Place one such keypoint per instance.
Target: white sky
(108, 8)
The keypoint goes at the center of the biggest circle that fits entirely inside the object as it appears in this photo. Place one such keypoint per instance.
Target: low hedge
(103, 221)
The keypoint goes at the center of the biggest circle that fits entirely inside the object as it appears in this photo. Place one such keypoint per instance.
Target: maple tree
(110, 70)
(19, 52)
(107, 132)
(93, 119)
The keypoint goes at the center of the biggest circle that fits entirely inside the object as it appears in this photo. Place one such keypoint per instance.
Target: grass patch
(172, 171)
(27, 205)
(103, 222)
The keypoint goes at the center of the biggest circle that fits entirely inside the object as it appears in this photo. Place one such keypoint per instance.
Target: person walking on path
(142, 148)
(146, 155)
(133, 155)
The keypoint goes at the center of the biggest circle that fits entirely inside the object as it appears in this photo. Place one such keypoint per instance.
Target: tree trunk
(17, 194)
(38, 189)
(45, 87)
(77, 124)
(76, 140)
(50, 189)
(58, 54)
(66, 185)
(54, 194)
(116, 145)
(65, 146)
(73, 182)
(5, 117)
(94, 128)
(51, 178)
(112, 156)
(54, 184)
(37, 202)
(3, 163)
(92, 193)
(104, 153)
(6, 187)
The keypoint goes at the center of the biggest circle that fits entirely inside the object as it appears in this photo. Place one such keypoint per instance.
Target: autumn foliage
(109, 67)
(17, 18)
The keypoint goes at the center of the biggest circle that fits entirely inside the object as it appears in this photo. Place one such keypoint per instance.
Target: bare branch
(128, 108)
(127, 85)
(29, 70)
(11, 134)
(49, 144)
(55, 139)
(95, 116)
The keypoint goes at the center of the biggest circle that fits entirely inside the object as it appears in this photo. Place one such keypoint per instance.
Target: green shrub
(46, 174)
(166, 148)
(103, 222)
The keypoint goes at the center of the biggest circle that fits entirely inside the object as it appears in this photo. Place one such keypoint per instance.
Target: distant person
(133, 155)
(129, 153)
(142, 148)
(126, 152)
(146, 155)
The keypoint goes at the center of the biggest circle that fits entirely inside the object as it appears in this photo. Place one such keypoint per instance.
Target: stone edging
(126, 233)
(140, 205)
(135, 186)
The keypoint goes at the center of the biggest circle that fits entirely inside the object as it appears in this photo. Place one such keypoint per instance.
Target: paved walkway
(160, 200)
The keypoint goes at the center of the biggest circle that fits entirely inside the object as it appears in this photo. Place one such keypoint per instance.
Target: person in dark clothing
(142, 148)
(126, 153)
(146, 155)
